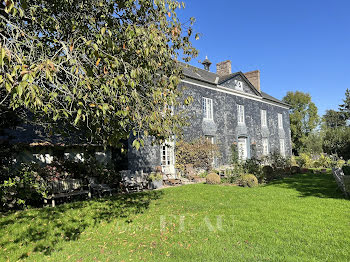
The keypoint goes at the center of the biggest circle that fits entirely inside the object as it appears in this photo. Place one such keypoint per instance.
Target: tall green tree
(333, 119)
(345, 107)
(303, 118)
(105, 67)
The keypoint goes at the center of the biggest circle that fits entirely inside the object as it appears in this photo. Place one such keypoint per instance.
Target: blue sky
(296, 45)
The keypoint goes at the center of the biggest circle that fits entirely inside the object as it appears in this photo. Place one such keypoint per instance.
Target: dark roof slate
(213, 78)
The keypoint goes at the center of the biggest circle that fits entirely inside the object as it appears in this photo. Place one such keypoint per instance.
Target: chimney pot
(223, 68)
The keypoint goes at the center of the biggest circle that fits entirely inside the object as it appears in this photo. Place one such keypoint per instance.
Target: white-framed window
(282, 147)
(167, 153)
(263, 118)
(238, 85)
(280, 121)
(242, 148)
(207, 108)
(240, 112)
(265, 144)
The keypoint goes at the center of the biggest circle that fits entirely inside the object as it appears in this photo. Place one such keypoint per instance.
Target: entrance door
(242, 148)
(167, 152)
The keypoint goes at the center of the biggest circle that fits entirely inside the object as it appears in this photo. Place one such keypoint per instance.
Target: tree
(345, 108)
(303, 117)
(107, 68)
(337, 141)
(313, 143)
(333, 119)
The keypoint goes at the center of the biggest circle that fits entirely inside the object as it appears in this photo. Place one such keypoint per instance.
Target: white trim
(263, 117)
(236, 93)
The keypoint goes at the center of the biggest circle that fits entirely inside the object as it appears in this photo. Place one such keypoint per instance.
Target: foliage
(268, 173)
(213, 179)
(276, 160)
(107, 68)
(346, 170)
(253, 166)
(305, 160)
(333, 119)
(345, 107)
(199, 152)
(155, 176)
(337, 141)
(303, 117)
(234, 154)
(295, 170)
(233, 174)
(21, 188)
(313, 143)
(249, 180)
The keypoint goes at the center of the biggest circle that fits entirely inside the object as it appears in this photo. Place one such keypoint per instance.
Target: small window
(207, 108)
(263, 118)
(238, 85)
(282, 147)
(265, 144)
(240, 112)
(280, 121)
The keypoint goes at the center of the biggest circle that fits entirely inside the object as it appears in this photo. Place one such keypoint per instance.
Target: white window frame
(167, 154)
(240, 115)
(242, 155)
(207, 104)
(263, 118)
(265, 146)
(280, 121)
(282, 147)
(238, 85)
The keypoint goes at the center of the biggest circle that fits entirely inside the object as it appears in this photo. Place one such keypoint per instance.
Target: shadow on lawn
(47, 226)
(317, 185)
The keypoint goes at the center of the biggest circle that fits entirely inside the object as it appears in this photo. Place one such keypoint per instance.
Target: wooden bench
(65, 188)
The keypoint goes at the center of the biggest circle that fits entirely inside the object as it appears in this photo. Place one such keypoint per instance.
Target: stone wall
(224, 126)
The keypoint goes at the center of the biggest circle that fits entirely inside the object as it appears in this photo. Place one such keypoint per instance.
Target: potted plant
(155, 180)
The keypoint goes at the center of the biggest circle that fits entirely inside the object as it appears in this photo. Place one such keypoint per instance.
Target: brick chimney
(254, 78)
(223, 68)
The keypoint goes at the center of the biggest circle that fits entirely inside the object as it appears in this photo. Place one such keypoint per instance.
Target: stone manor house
(227, 108)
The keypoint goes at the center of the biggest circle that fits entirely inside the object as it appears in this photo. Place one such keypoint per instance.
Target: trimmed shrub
(213, 179)
(249, 180)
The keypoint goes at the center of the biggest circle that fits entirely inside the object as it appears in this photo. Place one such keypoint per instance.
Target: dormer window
(238, 85)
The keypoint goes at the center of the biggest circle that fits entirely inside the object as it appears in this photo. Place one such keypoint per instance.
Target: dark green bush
(268, 173)
(346, 170)
(23, 187)
(253, 166)
(249, 180)
(295, 170)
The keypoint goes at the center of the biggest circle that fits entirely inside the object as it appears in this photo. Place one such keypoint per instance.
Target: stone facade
(224, 126)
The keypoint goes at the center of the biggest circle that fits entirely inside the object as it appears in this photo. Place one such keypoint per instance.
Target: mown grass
(302, 218)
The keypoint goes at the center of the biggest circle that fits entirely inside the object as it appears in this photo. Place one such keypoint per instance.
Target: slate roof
(213, 78)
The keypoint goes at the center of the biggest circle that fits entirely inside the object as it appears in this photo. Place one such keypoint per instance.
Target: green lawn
(302, 218)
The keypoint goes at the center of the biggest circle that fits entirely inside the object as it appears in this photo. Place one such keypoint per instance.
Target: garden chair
(98, 188)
